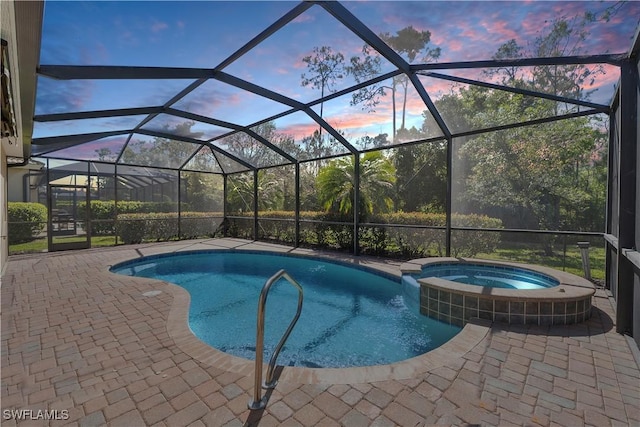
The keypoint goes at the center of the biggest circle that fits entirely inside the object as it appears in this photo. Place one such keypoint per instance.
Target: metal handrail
(258, 402)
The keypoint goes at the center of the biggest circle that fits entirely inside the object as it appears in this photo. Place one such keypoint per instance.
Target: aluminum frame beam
(613, 59)
(68, 141)
(110, 72)
(601, 107)
(118, 112)
(284, 20)
(198, 142)
(233, 126)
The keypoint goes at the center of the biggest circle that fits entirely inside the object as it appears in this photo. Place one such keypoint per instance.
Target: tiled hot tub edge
(456, 303)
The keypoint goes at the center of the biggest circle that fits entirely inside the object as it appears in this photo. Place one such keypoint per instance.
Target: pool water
(350, 316)
(490, 275)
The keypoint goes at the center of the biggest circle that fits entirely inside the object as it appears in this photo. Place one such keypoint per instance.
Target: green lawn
(570, 262)
(40, 245)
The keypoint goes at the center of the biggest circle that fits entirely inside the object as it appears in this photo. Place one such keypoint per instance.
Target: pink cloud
(88, 150)
(501, 29)
(448, 45)
(299, 130)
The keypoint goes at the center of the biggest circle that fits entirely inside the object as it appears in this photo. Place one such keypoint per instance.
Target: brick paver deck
(96, 347)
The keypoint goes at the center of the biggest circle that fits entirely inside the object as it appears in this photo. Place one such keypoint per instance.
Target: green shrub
(131, 228)
(335, 231)
(103, 212)
(469, 243)
(102, 216)
(139, 227)
(26, 220)
(200, 224)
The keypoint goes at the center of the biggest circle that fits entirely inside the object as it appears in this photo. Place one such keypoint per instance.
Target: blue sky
(203, 33)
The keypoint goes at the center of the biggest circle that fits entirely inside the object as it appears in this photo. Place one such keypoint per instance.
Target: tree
(408, 42)
(325, 68)
(240, 192)
(365, 67)
(335, 184)
(539, 177)
(411, 43)
(202, 192)
(163, 151)
(421, 171)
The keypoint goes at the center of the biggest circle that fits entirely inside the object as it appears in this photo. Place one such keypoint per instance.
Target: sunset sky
(201, 34)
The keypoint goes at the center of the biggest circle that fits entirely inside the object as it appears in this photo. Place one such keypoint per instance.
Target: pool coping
(178, 329)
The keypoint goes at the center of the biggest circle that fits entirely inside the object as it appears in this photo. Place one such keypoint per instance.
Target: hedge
(324, 230)
(103, 212)
(26, 221)
(136, 228)
(336, 232)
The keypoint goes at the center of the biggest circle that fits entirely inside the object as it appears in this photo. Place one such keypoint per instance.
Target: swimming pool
(351, 316)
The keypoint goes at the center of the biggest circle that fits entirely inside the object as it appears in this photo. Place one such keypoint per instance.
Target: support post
(584, 254)
(115, 198)
(179, 205)
(627, 177)
(356, 203)
(297, 207)
(448, 203)
(224, 206)
(255, 204)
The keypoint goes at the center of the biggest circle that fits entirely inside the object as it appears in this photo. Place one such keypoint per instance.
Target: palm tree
(270, 192)
(335, 183)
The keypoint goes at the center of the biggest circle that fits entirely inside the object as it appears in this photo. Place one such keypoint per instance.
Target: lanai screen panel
(276, 204)
(481, 28)
(145, 184)
(224, 102)
(593, 83)
(468, 107)
(365, 117)
(88, 125)
(141, 33)
(174, 125)
(201, 204)
(203, 161)
(103, 149)
(286, 62)
(300, 136)
(145, 150)
(250, 150)
(102, 196)
(544, 177)
(65, 96)
(67, 172)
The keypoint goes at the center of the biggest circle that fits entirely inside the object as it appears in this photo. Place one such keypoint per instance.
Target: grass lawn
(40, 245)
(571, 262)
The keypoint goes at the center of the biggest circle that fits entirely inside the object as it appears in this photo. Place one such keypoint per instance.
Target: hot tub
(455, 290)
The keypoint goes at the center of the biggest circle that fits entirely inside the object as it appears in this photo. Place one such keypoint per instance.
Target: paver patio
(78, 338)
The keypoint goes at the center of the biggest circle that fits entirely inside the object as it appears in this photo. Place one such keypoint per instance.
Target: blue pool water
(494, 276)
(350, 316)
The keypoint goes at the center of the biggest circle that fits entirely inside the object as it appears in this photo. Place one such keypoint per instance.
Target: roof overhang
(23, 34)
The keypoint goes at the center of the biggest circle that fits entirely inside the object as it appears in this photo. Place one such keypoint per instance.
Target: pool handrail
(258, 402)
